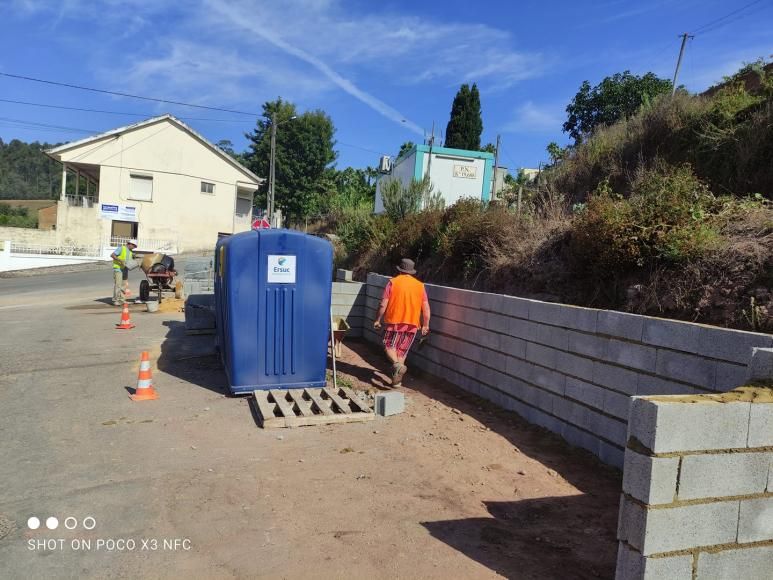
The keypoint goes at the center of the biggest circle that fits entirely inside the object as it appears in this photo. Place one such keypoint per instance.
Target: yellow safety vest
(125, 255)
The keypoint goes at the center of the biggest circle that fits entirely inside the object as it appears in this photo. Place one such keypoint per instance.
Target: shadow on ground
(192, 358)
(521, 536)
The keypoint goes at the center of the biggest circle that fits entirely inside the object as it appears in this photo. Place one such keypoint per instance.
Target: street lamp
(271, 173)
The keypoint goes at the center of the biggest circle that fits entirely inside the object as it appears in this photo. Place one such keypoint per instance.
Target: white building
(455, 173)
(158, 181)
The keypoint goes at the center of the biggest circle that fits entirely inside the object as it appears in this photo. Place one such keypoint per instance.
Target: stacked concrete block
(530, 356)
(349, 302)
(697, 488)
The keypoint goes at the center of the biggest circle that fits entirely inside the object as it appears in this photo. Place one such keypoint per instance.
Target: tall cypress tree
(465, 125)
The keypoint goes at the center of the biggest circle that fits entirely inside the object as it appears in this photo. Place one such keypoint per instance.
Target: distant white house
(158, 181)
(455, 173)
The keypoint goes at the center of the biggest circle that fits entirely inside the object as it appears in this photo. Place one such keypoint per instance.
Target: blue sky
(384, 71)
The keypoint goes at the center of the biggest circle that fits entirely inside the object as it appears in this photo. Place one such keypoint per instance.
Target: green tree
(27, 173)
(405, 147)
(555, 152)
(304, 154)
(489, 148)
(614, 98)
(465, 125)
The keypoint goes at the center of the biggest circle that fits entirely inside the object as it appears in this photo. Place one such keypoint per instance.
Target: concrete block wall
(697, 498)
(31, 236)
(571, 370)
(348, 301)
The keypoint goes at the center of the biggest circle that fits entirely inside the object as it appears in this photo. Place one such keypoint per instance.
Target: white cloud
(532, 118)
(256, 49)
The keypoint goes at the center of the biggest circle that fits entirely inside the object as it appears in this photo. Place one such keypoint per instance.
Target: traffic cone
(145, 390)
(126, 321)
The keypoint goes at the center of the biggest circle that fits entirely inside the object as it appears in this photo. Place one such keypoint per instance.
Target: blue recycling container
(272, 307)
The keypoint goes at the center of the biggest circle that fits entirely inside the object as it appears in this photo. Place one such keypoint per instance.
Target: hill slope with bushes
(667, 213)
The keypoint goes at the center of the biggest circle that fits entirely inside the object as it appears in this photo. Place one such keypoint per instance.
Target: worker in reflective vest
(405, 310)
(121, 257)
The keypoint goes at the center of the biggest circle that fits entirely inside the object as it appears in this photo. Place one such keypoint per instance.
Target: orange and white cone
(126, 321)
(145, 390)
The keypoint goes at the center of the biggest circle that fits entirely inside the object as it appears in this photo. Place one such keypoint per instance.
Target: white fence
(23, 256)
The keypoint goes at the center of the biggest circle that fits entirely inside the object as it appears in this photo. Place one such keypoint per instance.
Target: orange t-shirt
(406, 296)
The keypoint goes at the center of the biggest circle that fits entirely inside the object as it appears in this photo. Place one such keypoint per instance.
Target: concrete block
(649, 385)
(512, 346)
(664, 427)
(616, 378)
(585, 319)
(588, 344)
(491, 302)
(514, 306)
(390, 403)
(761, 365)
(620, 324)
(608, 428)
(631, 565)
(487, 339)
(572, 364)
(547, 379)
(553, 336)
(688, 368)
(343, 275)
(546, 312)
(587, 393)
(755, 522)
(655, 531)
(747, 564)
(671, 334)
(579, 438)
(541, 355)
(611, 454)
(731, 345)
(632, 355)
(730, 376)
(497, 322)
(519, 368)
(651, 480)
(616, 404)
(200, 312)
(523, 329)
(723, 475)
(761, 425)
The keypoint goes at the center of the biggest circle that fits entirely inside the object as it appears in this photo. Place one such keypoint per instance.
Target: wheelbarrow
(160, 277)
(340, 328)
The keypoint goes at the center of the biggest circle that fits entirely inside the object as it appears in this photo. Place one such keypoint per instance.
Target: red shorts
(399, 340)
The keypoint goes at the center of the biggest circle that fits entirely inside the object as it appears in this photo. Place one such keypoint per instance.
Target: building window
(208, 188)
(121, 232)
(141, 187)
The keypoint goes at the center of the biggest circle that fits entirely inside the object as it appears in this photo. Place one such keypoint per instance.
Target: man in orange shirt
(404, 308)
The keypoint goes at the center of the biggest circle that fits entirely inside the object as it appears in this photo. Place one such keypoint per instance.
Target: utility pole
(496, 170)
(271, 174)
(431, 143)
(684, 36)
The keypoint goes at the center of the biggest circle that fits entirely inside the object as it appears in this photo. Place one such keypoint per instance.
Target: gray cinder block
(761, 365)
(343, 275)
(655, 531)
(750, 564)
(723, 475)
(651, 480)
(664, 426)
(631, 565)
(761, 426)
(755, 523)
(390, 403)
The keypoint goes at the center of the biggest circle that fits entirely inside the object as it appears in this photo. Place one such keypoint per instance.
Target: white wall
(178, 163)
(455, 188)
(402, 171)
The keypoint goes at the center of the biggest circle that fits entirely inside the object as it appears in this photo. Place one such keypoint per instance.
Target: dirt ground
(452, 488)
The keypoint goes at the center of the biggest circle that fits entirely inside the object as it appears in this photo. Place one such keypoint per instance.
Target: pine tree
(465, 125)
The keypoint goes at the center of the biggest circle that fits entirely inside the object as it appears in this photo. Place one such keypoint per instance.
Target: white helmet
(133, 242)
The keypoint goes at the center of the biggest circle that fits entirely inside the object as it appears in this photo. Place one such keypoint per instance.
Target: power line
(705, 28)
(129, 95)
(46, 126)
(63, 107)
